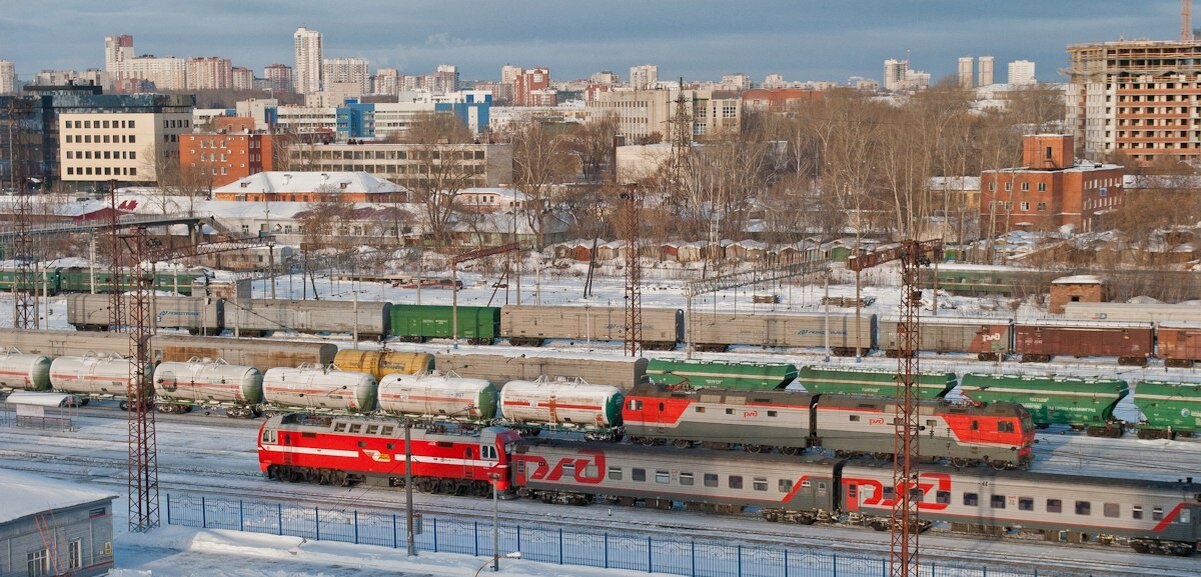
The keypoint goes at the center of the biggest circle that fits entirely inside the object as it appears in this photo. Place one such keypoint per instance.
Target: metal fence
(544, 544)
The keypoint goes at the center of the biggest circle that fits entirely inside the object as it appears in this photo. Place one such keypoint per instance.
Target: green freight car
(1079, 402)
(79, 280)
(873, 382)
(418, 323)
(746, 376)
(1169, 409)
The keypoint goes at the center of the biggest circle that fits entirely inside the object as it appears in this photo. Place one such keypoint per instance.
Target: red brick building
(526, 83)
(226, 157)
(1049, 191)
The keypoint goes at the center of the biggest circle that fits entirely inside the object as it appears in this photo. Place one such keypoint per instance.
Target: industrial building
(51, 527)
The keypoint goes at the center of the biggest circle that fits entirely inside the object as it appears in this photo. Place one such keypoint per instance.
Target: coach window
(853, 418)
(700, 409)
(1157, 514)
(735, 481)
(639, 475)
(1054, 506)
(614, 473)
(971, 499)
(943, 497)
(710, 480)
(759, 484)
(888, 493)
(997, 502)
(568, 470)
(686, 479)
(729, 411)
(785, 485)
(1025, 504)
(1084, 508)
(662, 477)
(1111, 510)
(1137, 512)
(771, 413)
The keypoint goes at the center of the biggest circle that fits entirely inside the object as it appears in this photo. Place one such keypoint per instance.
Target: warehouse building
(50, 527)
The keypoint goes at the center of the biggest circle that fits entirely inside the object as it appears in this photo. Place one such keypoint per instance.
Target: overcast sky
(697, 39)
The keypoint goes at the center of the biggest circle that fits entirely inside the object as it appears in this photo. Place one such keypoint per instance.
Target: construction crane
(906, 523)
(145, 252)
(454, 279)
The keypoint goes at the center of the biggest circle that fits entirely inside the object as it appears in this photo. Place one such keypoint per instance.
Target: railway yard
(1086, 419)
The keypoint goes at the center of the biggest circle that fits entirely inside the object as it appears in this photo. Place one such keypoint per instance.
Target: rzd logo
(538, 469)
(990, 337)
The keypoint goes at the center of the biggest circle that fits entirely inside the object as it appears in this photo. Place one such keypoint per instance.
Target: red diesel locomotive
(343, 451)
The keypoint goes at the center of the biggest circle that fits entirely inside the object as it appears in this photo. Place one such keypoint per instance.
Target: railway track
(938, 546)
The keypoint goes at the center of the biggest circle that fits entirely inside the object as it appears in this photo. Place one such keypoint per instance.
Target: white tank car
(22, 371)
(205, 382)
(318, 388)
(437, 395)
(561, 403)
(98, 376)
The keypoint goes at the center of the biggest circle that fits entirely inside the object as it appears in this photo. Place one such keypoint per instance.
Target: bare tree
(443, 170)
(540, 161)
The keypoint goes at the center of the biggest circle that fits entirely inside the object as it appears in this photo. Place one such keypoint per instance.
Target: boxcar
(728, 375)
(532, 325)
(1179, 343)
(718, 331)
(871, 382)
(1082, 403)
(1038, 341)
(1131, 312)
(262, 354)
(197, 314)
(260, 316)
(64, 343)
(986, 337)
(621, 372)
(1168, 409)
(418, 323)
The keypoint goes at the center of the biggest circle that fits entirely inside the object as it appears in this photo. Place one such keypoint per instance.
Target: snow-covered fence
(624, 550)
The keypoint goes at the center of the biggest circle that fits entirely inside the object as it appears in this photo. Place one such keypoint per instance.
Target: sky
(697, 39)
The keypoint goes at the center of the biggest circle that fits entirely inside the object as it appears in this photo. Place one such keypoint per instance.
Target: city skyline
(800, 40)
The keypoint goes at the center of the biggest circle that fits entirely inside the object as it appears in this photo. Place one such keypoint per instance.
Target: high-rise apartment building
(8, 77)
(116, 49)
(243, 78)
(605, 78)
(1021, 72)
(386, 82)
(644, 77)
(1139, 97)
(309, 56)
(527, 83)
(967, 76)
(894, 73)
(353, 70)
(279, 77)
(444, 80)
(509, 74)
(210, 73)
(986, 71)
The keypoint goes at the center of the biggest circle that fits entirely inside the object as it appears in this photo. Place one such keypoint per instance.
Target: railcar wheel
(792, 451)
(958, 462)
(997, 464)
(425, 484)
(681, 443)
(756, 448)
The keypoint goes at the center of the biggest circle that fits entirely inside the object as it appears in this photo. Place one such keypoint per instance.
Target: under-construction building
(1139, 97)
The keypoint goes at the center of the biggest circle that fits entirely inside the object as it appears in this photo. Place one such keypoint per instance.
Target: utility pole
(25, 308)
(116, 297)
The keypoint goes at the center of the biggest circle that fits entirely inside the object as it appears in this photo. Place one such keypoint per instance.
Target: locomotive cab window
(638, 475)
(1084, 508)
(686, 479)
(614, 473)
(710, 480)
(1054, 506)
(971, 499)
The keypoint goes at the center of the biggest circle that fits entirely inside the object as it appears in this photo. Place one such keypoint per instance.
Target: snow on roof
(27, 495)
(505, 192)
(301, 182)
(1078, 279)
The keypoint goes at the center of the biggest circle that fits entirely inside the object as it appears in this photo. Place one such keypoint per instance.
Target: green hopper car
(746, 376)
(1079, 402)
(418, 323)
(1169, 409)
(873, 382)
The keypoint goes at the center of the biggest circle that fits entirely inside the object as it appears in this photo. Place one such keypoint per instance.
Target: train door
(286, 440)
(852, 500)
